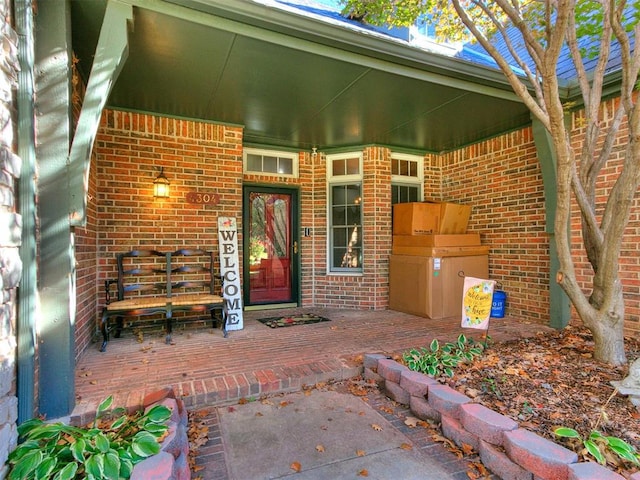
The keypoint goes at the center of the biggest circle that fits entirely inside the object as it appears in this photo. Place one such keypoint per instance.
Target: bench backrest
(148, 273)
(191, 271)
(142, 273)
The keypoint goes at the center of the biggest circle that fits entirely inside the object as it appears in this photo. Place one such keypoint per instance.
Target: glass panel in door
(271, 246)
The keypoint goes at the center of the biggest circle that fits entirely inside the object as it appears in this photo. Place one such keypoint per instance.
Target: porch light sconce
(161, 185)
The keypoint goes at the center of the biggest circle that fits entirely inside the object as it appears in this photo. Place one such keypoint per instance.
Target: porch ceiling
(294, 81)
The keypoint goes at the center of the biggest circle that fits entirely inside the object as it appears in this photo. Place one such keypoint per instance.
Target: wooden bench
(151, 282)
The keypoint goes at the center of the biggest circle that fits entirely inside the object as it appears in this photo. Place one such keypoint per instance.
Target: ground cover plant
(552, 381)
(106, 449)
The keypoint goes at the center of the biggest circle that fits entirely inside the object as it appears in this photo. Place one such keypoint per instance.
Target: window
(345, 213)
(406, 178)
(270, 162)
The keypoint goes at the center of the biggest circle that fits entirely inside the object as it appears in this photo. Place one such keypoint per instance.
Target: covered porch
(207, 369)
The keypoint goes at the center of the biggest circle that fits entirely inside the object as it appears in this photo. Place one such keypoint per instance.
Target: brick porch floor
(207, 369)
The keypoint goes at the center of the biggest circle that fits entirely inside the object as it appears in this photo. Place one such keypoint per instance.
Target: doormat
(291, 320)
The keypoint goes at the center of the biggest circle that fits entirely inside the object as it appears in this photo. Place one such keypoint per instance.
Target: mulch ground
(551, 380)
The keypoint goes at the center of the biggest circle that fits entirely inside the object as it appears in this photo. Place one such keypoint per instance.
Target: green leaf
(158, 414)
(111, 465)
(104, 405)
(595, 435)
(25, 467)
(593, 449)
(102, 443)
(26, 427)
(566, 432)
(431, 370)
(448, 372)
(78, 449)
(67, 473)
(625, 454)
(126, 467)
(119, 422)
(435, 345)
(144, 444)
(620, 444)
(94, 465)
(45, 468)
(156, 429)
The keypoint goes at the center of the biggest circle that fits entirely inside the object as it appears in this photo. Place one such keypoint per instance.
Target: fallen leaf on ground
(363, 473)
(406, 446)
(361, 453)
(320, 448)
(376, 427)
(411, 422)
(296, 467)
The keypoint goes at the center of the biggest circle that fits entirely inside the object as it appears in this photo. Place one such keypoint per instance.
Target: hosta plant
(600, 446)
(107, 449)
(439, 359)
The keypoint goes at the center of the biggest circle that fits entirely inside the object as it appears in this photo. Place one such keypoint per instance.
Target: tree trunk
(607, 328)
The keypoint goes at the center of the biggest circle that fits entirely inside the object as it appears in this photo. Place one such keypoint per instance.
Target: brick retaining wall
(509, 451)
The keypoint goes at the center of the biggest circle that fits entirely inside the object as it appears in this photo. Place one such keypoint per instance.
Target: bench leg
(105, 330)
(119, 326)
(169, 330)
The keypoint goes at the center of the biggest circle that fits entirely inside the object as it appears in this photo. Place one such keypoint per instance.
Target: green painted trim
(111, 52)
(26, 331)
(559, 306)
(56, 274)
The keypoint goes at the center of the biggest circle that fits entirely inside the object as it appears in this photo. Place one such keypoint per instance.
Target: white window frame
(403, 180)
(335, 180)
(271, 153)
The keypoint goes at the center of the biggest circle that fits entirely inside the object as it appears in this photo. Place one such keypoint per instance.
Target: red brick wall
(502, 180)
(87, 289)
(130, 149)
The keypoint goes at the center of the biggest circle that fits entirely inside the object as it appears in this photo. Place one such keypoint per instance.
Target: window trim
(295, 161)
(334, 180)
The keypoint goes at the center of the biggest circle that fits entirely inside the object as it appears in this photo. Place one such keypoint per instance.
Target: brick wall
(502, 180)
(10, 237)
(130, 150)
(86, 268)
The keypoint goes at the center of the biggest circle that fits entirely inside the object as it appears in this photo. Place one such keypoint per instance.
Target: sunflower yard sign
(476, 303)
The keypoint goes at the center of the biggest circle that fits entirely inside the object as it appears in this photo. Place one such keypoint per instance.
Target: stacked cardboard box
(431, 254)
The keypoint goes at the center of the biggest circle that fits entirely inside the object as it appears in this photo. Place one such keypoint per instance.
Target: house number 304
(203, 198)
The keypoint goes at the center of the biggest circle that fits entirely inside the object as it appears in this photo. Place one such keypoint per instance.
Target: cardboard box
(428, 218)
(416, 218)
(431, 286)
(437, 240)
(454, 218)
(441, 251)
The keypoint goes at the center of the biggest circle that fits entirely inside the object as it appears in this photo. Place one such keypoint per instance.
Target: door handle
(295, 247)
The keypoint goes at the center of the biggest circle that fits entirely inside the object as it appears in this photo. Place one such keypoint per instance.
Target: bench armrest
(107, 290)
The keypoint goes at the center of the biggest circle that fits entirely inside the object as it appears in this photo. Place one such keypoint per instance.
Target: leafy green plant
(108, 449)
(439, 359)
(597, 445)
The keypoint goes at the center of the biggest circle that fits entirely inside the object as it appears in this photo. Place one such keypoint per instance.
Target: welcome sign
(230, 271)
(476, 303)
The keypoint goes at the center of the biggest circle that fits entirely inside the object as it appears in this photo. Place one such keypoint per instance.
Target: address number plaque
(203, 198)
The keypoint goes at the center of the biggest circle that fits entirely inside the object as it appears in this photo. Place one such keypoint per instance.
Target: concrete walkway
(212, 374)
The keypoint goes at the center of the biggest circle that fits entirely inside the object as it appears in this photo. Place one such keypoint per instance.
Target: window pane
(339, 195)
(413, 169)
(285, 166)
(254, 162)
(339, 216)
(338, 167)
(395, 194)
(395, 169)
(270, 164)
(353, 166)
